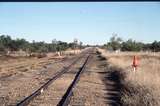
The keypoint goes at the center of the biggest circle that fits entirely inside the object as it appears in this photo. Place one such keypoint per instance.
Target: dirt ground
(19, 80)
(95, 87)
(56, 90)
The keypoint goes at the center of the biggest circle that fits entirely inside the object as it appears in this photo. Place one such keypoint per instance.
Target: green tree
(75, 42)
(131, 45)
(155, 46)
(115, 42)
(80, 44)
(5, 42)
(18, 44)
(71, 45)
(54, 45)
(2, 48)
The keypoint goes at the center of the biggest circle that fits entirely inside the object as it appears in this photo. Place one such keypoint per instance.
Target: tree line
(116, 43)
(9, 44)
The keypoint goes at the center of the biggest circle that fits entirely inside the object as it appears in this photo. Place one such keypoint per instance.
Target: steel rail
(67, 96)
(28, 99)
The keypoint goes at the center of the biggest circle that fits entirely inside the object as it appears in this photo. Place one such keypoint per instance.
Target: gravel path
(91, 89)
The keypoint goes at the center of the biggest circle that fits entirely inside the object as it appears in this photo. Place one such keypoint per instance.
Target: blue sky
(90, 22)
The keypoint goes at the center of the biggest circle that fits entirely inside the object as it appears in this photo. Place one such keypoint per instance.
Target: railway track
(65, 98)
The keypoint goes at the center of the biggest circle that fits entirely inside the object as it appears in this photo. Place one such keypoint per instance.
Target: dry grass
(141, 87)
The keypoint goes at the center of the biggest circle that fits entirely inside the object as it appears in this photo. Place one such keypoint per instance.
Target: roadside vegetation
(9, 45)
(116, 43)
(139, 88)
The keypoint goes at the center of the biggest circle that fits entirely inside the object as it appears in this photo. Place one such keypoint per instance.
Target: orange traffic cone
(135, 63)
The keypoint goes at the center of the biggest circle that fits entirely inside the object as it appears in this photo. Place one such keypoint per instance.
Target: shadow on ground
(113, 79)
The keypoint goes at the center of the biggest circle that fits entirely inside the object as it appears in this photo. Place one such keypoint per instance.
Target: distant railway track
(65, 100)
